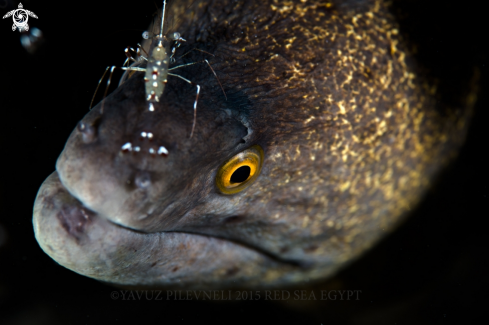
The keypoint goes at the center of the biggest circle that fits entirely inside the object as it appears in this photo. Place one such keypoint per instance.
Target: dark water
(433, 270)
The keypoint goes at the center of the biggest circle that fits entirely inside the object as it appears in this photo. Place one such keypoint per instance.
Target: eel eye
(240, 171)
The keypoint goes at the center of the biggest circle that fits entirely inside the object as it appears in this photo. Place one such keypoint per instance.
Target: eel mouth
(272, 256)
(86, 243)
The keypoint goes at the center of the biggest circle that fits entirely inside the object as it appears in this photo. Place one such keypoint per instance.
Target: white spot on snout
(162, 151)
(127, 146)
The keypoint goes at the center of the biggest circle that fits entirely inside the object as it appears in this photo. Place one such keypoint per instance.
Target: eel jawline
(81, 241)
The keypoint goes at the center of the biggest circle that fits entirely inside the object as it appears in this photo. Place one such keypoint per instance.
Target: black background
(432, 270)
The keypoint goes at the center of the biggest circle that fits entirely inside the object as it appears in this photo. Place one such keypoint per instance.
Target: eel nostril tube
(142, 179)
(87, 131)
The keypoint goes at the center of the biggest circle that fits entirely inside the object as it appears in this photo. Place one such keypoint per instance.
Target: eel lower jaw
(78, 239)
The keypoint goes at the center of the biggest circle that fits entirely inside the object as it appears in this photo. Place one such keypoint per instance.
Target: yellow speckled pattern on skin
(352, 137)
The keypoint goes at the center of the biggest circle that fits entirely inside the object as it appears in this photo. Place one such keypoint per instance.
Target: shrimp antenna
(163, 18)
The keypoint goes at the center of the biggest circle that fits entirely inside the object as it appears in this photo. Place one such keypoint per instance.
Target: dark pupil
(241, 174)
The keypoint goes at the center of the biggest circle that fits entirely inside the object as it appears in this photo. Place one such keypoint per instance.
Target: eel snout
(80, 240)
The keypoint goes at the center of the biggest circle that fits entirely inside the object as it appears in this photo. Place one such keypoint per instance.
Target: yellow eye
(240, 171)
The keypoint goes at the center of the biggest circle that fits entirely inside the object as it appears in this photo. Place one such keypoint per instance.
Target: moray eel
(326, 139)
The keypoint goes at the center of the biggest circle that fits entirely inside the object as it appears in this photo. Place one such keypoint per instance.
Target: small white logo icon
(20, 17)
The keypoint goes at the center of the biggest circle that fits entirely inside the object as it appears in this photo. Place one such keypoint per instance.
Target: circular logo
(20, 18)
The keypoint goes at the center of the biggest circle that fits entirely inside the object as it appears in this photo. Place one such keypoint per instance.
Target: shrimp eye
(240, 171)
